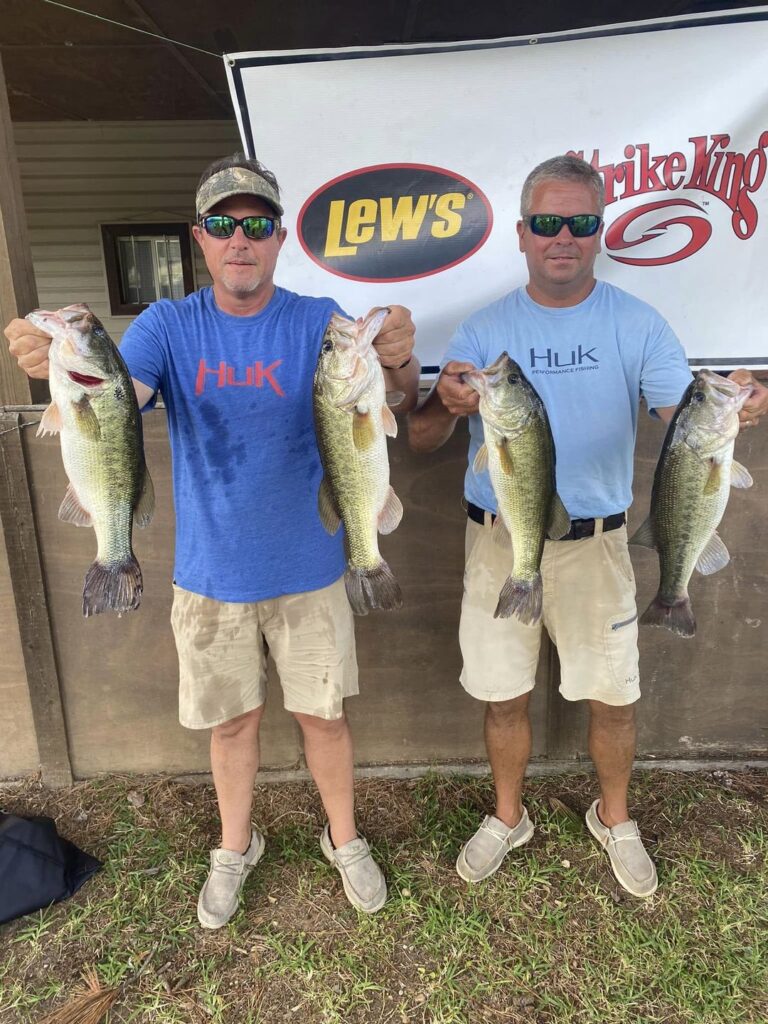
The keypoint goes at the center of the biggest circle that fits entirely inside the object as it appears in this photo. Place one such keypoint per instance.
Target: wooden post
(34, 623)
(18, 292)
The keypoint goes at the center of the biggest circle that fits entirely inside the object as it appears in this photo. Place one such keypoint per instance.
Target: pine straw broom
(87, 1007)
(92, 1004)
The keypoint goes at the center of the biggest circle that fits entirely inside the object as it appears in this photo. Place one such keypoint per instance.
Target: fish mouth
(724, 388)
(477, 379)
(485, 378)
(75, 313)
(46, 319)
(84, 379)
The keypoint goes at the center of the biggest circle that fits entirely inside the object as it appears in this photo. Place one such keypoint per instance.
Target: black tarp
(37, 866)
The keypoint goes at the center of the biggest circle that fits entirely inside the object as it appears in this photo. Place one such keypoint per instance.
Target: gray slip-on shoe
(361, 876)
(484, 852)
(633, 868)
(220, 895)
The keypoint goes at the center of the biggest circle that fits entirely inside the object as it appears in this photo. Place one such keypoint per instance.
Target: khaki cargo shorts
(589, 612)
(222, 656)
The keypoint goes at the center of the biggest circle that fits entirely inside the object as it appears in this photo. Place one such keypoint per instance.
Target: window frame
(109, 236)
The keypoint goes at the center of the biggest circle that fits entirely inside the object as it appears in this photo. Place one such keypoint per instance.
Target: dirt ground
(550, 938)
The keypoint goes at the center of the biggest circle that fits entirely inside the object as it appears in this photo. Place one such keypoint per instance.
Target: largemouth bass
(691, 486)
(353, 421)
(519, 454)
(95, 412)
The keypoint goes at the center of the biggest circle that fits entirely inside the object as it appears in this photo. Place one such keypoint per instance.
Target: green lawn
(551, 938)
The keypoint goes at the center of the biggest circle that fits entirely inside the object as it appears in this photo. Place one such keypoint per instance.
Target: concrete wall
(702, 698)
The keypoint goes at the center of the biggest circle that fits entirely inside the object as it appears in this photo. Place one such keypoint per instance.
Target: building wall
(76, 176)
(704, 698)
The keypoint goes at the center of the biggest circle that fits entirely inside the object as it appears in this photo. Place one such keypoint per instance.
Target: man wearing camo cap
(235, 364)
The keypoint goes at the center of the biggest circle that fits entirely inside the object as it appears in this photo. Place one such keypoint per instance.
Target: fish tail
(368, 589)
(521, 598)
(113, 587)
(677, 617)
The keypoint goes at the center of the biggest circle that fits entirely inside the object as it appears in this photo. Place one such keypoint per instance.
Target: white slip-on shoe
(633, 868)
(361, 876)
(220, 894)
(483, 853)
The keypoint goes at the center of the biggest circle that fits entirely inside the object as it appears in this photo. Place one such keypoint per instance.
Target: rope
(132, 28)
(19, 427)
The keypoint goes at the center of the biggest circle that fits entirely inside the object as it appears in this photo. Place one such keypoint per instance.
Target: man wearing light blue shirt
(591, 351)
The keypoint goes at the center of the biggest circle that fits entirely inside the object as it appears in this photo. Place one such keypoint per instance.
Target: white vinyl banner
(401, 168)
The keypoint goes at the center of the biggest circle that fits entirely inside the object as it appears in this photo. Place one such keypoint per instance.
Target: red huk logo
(224, 375)
(729, 176)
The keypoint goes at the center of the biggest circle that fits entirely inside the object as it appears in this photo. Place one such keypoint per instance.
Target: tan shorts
(222, 658)
(589, 612)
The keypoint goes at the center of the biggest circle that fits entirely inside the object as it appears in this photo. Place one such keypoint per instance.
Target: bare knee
(508, 712)
(239, 728)
(330, 728)
(610, 717)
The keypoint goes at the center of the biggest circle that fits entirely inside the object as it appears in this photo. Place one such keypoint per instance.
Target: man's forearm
(431, 425)
(406, 380)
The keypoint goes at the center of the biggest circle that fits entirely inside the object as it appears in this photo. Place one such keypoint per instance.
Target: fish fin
(559, 520)
(51, 421)
(71, 509)
(481, 459)
(326, 506)
(714, 556)
(117, 587)
(388, 421)
(368, 589)
(677, 617)
(363, 432)
(395, 398)
(712, 486)
(145, 506)
(521, 598)
(740, 475)
(500, 534)
(504, 458)
(86, 419)
(391, 514)
(643, 536)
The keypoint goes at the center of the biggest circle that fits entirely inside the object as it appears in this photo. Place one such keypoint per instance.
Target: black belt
(580, 528)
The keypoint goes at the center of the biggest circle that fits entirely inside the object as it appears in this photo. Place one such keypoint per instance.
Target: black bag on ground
(37, 866)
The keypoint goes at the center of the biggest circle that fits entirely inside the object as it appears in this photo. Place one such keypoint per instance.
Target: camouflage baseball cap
(235, 181)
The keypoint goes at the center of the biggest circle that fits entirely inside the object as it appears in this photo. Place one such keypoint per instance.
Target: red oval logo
(394, 222)
(700, 230)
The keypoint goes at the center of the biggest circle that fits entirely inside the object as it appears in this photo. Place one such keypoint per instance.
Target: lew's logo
(711, 168)
(394, 222)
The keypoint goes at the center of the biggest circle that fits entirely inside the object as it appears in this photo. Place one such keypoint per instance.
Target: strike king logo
(394, 222)
(712, 168)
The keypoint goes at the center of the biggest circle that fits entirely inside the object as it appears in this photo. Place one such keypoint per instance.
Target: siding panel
(75, 177)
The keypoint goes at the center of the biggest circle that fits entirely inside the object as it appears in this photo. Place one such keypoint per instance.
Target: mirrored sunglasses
(581, 225)
(221, 225)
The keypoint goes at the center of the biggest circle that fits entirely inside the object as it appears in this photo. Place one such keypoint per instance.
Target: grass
(550, 938)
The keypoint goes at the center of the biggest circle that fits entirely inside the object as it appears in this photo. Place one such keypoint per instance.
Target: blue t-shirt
(589, 363)
(246, 469)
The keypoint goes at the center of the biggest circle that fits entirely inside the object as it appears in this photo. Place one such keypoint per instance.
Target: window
(146, 262)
